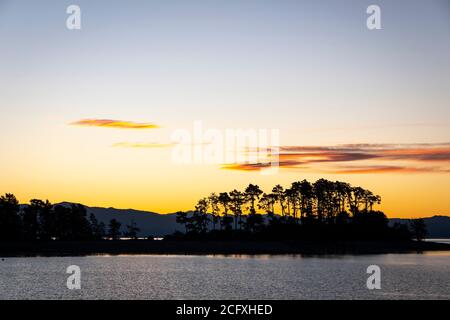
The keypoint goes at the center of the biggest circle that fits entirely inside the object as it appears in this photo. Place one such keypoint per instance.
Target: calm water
(404, 276)
(439, 240)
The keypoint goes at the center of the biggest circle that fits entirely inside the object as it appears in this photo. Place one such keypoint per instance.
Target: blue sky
(309, 68)
(170, 61)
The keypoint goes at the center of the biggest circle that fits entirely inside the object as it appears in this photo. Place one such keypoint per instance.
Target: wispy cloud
(388, 169)
(376, 126)
(361, 158)
(118, 124)
(259, 165)
(143, 145)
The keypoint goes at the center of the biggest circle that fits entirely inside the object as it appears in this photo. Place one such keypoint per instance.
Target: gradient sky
(308, 68)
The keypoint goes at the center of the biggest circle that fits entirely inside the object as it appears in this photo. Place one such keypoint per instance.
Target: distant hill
(150, 223)
(156, 224)
(438, 226)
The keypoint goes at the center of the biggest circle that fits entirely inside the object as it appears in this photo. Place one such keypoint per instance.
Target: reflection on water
(438, 240)
(404, 276)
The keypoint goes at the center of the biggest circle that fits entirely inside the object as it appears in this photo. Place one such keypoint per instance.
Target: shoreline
(142, 247)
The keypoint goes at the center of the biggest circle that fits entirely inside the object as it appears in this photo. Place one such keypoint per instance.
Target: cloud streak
(388, 169)
(359, 158)
(117, 124)
(142, 145)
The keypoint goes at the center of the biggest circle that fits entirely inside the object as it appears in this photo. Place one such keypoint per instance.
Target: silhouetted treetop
(320, 209)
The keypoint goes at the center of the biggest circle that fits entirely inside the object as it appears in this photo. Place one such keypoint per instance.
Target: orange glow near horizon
(118, 124)
(403, 195)
(92, 117)
(106, 173)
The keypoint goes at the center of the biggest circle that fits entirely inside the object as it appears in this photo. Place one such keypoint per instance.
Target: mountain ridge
(157, 224)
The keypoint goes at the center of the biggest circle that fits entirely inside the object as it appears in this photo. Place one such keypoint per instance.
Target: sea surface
(403, 276)
(439, 240)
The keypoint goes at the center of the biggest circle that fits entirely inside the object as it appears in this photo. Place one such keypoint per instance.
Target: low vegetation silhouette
(323, 210)
(41, 220)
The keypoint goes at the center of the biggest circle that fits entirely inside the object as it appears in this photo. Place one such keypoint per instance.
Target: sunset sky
(88, 115)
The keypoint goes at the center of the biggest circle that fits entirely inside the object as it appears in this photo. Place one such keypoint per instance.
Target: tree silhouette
(199, 219)
(114, 229)
(47, 219)
(182, 218)
(9, 219)
(280, 196)
(322, 210)
(70, 223)
(132, 230)
(213, 201)
(306, 195)
(30, 220)
(225, 200)
(253, 192)
(98, 229)
(237, 200)
(418, 229)
(254, 221)
(268, 202)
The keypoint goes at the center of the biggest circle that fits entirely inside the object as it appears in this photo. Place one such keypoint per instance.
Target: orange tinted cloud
(258, 166)
(141, 145)
(388, 169)
(119, 124)
(371, 158)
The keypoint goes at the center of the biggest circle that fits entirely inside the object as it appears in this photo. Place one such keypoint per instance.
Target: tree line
(320, 210)
(41, 220)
